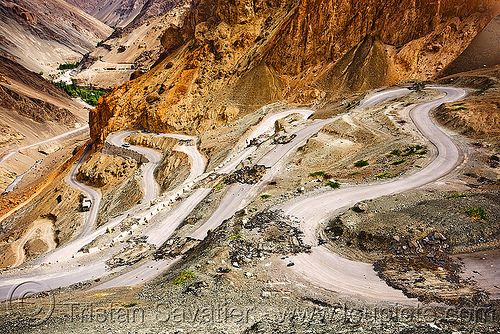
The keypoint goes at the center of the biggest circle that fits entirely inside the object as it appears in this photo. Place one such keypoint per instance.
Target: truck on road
(86, 203)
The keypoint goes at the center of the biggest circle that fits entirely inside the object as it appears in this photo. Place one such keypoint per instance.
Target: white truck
(86, 203)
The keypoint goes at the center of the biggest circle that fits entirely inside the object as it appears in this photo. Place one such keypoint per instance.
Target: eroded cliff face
(229, 58)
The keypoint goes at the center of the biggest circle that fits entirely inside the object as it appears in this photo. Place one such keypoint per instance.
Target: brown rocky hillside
(42, 34)
(229, 58)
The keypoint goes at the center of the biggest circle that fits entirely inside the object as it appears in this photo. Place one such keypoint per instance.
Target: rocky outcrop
(238, 56)
(38, 110)
(478, 116)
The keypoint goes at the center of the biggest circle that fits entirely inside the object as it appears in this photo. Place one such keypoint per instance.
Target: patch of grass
(235, 237)
(220, 185)
(494, 158)
(185, 276)
(458, 104)
(457, 195)
(333, 185)
(355, 173)
(399, 162)
(476, 213)
(316, 174)
(396, 152)
(361, 163)
(460, 109)
(99, 44)
(417, 149)
(382, 175)
(131, 304)
(265, 196)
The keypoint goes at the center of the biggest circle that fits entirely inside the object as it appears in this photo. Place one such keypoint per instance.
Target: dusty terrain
(482, 52)
(33, 111)
(217, 69)
(269, 217)
(112, 12)
(477, 116)
(40, 35)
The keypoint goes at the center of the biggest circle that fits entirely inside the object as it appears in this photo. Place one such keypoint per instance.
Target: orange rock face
(231, 57)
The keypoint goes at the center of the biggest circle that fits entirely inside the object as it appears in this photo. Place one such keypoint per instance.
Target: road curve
(240, 194)
(148, 271)
(92, 193)
(11, 153)
(328, 270)
(151, 188)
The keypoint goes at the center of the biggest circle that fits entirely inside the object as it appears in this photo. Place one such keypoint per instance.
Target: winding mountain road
(91, 193)
(322, 267)
(328, 270)
(151, 188)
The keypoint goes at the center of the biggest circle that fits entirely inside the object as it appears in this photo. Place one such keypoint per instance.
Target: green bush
(361, 163)
(396, 152)
(476, 213)
(399, 162)
(382, 175)
(70, 66)
(417, 149)
(235, 237)
(316, 174)
(131, 304)
(185, 276)
(457, 195)
(333, 185)
(265, 196)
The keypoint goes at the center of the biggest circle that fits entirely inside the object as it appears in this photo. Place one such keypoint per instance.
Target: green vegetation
(333, 185)
(361, 163)
(235, 237)
(399, 162)
(457, 195)
(460, 109)
(316, 174)
(99, 44)
(494, 158)
(476, 213)
(220, 185)
(90, 96)
(382, 175)
(41, 73)
(69, 66)
(185, 276)
(131, 304)
(417, 149)
(396, 152)
(265, 196)
(355, 173)
(458, 104)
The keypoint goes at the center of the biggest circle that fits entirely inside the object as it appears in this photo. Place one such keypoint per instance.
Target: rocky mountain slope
(134, 48)
(484, 51)
(43, 34)
(31, 110)
(112, 12)
(226, 59)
